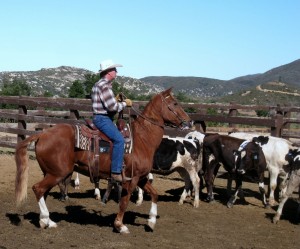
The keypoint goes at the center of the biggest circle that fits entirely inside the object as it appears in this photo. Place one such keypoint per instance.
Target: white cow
(275, 149)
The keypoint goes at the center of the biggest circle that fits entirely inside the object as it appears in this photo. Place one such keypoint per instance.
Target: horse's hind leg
(63, 187)
(40, 190)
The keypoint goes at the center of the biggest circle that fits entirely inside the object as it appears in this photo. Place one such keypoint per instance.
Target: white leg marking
(97, 194)
(152, 215)
(45, 221)
(76, 181)
(140, 196)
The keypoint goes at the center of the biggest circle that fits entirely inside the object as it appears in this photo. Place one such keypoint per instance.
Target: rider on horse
(105, 105)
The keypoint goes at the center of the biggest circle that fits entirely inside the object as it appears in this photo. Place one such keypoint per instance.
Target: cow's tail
(21, 159)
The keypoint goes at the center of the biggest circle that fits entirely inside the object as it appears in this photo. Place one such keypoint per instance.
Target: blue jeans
(106, 125)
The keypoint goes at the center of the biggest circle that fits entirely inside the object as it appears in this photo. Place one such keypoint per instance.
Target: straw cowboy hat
(108, 64)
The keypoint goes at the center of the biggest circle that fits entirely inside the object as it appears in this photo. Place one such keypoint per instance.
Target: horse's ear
(168, 91)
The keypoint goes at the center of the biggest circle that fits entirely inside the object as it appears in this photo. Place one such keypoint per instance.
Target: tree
(77, 90)
(89, 82)
(17, 87)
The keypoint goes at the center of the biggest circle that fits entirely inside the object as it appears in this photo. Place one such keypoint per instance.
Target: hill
(285, 78)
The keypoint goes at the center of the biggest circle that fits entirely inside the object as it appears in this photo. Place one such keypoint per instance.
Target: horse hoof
(120, 227)
(124, 230)
(47, 224)
(151, 225)
(63, 198)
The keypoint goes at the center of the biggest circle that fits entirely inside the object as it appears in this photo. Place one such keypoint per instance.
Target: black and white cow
(185, 157)
(237, 156)
(275, 149)
(292, 182)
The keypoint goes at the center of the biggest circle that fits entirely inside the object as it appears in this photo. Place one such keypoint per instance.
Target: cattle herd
(197, 157)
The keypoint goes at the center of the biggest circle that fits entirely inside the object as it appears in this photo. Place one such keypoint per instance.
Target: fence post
(276, 130)
(22, 123)
(232, 113)
(74, 114)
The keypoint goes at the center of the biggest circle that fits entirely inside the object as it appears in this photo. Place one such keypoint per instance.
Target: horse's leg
(127, 189)
(97, 191)
(76, 181)
(141, 192)
(63, 187)
(107, 191)
(148, 188)
(140, 196)
(40, 190)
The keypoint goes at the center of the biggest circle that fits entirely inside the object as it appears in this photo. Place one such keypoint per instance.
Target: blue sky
(216, 39)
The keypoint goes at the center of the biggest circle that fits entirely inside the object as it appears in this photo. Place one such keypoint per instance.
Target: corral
(84, 223)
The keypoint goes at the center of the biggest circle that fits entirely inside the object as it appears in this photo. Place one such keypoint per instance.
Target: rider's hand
(118, 98)
(128, 102)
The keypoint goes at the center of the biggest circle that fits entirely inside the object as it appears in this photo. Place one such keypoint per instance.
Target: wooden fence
(23, 116)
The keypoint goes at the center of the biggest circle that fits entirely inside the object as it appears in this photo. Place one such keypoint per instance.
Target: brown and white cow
(237, 156)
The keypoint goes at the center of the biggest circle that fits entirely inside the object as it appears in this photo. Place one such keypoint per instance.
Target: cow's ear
(180, 147)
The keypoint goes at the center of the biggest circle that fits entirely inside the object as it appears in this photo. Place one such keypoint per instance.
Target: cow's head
(248, 158)
(293, 157)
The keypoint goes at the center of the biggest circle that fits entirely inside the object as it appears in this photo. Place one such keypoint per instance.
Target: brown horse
(56, 155)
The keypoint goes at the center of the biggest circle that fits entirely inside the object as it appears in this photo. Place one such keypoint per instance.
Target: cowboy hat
(108, 64)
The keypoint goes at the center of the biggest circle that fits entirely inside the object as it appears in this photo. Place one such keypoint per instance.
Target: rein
(148, 119)
(153, 122)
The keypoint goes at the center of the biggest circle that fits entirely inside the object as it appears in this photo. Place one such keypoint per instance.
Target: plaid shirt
(103, 98)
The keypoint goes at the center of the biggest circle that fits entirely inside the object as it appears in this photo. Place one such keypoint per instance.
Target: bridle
(154, 122)
(172, 110)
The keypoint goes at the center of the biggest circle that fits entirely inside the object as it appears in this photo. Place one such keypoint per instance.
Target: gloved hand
(118, 98)
(128, 102)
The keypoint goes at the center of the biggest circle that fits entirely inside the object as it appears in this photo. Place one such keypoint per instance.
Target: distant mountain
(58, 81)
(207, 88)
(55, 80)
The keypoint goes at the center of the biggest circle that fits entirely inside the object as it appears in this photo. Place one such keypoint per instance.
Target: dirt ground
(84, 223)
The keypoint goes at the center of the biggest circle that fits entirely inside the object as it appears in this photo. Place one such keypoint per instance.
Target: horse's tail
(21, 159)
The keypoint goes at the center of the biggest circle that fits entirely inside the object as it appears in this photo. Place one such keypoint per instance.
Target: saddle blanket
(86, 143)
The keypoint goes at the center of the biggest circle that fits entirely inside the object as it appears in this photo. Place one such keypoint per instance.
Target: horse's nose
(187, 124)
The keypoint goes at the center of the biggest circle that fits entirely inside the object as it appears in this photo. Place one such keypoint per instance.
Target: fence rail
(28, 115)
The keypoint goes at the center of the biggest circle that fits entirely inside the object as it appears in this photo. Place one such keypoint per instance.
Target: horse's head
(172, 112)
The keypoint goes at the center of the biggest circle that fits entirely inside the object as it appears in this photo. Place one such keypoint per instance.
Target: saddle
(89, 138)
